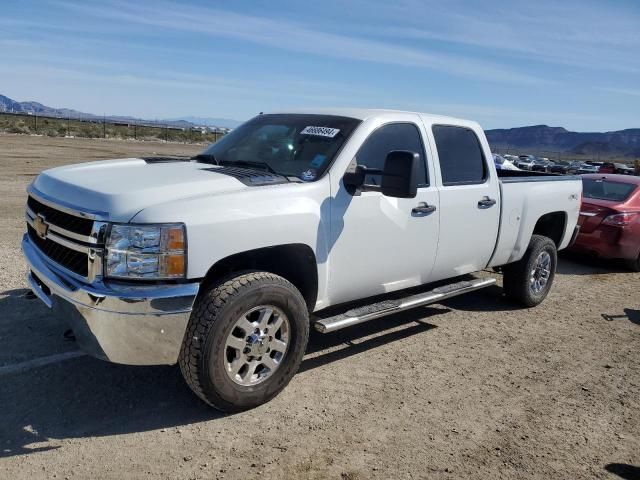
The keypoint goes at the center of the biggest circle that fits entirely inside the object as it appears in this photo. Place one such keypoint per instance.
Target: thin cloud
(582, 34)
(290, 89)
(622, 91)
(290, 36)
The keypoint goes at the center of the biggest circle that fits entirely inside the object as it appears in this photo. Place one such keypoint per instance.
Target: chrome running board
(387, 307)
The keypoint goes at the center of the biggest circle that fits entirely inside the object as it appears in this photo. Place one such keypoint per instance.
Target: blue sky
(571, 63)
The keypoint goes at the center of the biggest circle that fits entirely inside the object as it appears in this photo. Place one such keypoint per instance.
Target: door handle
(423, 208)
(486, 202)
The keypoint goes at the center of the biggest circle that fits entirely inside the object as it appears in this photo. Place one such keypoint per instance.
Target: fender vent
(250, 176)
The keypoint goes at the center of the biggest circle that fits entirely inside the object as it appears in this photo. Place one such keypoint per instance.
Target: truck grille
(77, 262)
(63, 237)
(64, 220)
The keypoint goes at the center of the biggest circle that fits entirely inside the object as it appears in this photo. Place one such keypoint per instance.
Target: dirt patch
(473, 388)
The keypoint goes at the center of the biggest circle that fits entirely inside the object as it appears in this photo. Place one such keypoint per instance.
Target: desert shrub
(19, 128)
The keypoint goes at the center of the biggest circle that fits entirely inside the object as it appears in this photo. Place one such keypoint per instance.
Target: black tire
(517, 276)
(203, 355)
(634, 265)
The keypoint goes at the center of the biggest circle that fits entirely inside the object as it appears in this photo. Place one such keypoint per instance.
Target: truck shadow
(84, 397)
(570, 263)
(489, 299)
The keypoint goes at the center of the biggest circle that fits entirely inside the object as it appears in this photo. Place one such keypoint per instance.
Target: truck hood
(121, 188)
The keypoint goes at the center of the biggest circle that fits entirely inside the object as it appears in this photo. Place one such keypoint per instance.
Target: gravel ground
(473, 388)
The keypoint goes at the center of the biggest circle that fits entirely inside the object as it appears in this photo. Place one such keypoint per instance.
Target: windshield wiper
(210, 158)
(206, 157)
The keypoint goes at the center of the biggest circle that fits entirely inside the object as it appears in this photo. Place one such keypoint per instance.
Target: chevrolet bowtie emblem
(40, 226)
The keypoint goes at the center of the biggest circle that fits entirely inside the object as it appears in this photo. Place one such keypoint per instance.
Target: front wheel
(529, 280)
(245, 340)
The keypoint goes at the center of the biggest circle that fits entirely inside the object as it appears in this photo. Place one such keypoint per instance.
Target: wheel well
(295, 262)
(551, 225)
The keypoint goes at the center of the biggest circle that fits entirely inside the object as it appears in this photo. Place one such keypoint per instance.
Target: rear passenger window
(390, 137)
(460, 153)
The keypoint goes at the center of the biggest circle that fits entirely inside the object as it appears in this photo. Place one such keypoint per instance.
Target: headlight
(146, 251)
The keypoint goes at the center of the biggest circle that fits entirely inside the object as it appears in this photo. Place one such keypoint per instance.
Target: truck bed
(527, 196)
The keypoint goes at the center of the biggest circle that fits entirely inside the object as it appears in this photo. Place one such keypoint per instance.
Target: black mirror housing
(400, 174)
(399, 177)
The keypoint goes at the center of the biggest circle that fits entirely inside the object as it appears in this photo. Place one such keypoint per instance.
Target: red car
(610, 218)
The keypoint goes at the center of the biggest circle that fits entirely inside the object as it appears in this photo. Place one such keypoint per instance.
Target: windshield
(606, 190)
(293, 145)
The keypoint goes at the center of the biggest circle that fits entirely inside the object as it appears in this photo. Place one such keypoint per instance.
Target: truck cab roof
(366, 113)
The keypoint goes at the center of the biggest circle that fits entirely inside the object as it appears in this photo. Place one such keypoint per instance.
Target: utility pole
(36, 120)
(69, 125)
(104, 126)
(135, 131)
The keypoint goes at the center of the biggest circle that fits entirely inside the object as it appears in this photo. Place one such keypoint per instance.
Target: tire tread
(203, 316)
(516, 275)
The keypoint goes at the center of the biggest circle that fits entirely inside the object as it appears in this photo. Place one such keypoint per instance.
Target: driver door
(381, 244)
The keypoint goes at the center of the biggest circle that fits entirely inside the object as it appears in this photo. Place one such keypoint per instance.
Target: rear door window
(461, 159)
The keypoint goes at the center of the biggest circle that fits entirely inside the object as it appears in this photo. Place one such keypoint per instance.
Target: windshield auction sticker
(320, 131)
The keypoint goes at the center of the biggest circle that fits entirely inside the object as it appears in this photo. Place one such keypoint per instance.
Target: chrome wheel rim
(256, 345)
(541, 273)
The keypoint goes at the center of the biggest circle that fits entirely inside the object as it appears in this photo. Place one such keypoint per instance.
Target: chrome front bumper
(118, 322)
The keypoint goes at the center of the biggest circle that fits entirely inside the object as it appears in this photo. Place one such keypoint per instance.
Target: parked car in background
(623, 169)
(541, 165)
(502, 163)
(525, 162)
(587, 168)
(603, 167)
(560, 167)
(573, 167)
(581, 168)
(610, 218)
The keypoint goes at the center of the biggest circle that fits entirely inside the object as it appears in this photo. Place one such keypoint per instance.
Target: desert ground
(473, 388)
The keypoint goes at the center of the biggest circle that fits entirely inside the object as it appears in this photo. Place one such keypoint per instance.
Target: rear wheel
(245, 341)
(529, 280)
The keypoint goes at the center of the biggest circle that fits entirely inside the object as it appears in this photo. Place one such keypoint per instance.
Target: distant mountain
(34, 108)
(9, 105)
(543, 137)
(211, 122)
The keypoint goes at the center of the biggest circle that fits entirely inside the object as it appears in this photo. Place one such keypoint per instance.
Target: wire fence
(95, 127)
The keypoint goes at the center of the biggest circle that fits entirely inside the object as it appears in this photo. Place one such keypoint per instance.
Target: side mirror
(399, 176)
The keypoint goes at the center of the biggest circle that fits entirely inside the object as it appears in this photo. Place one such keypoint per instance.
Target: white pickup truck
(223, 262)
